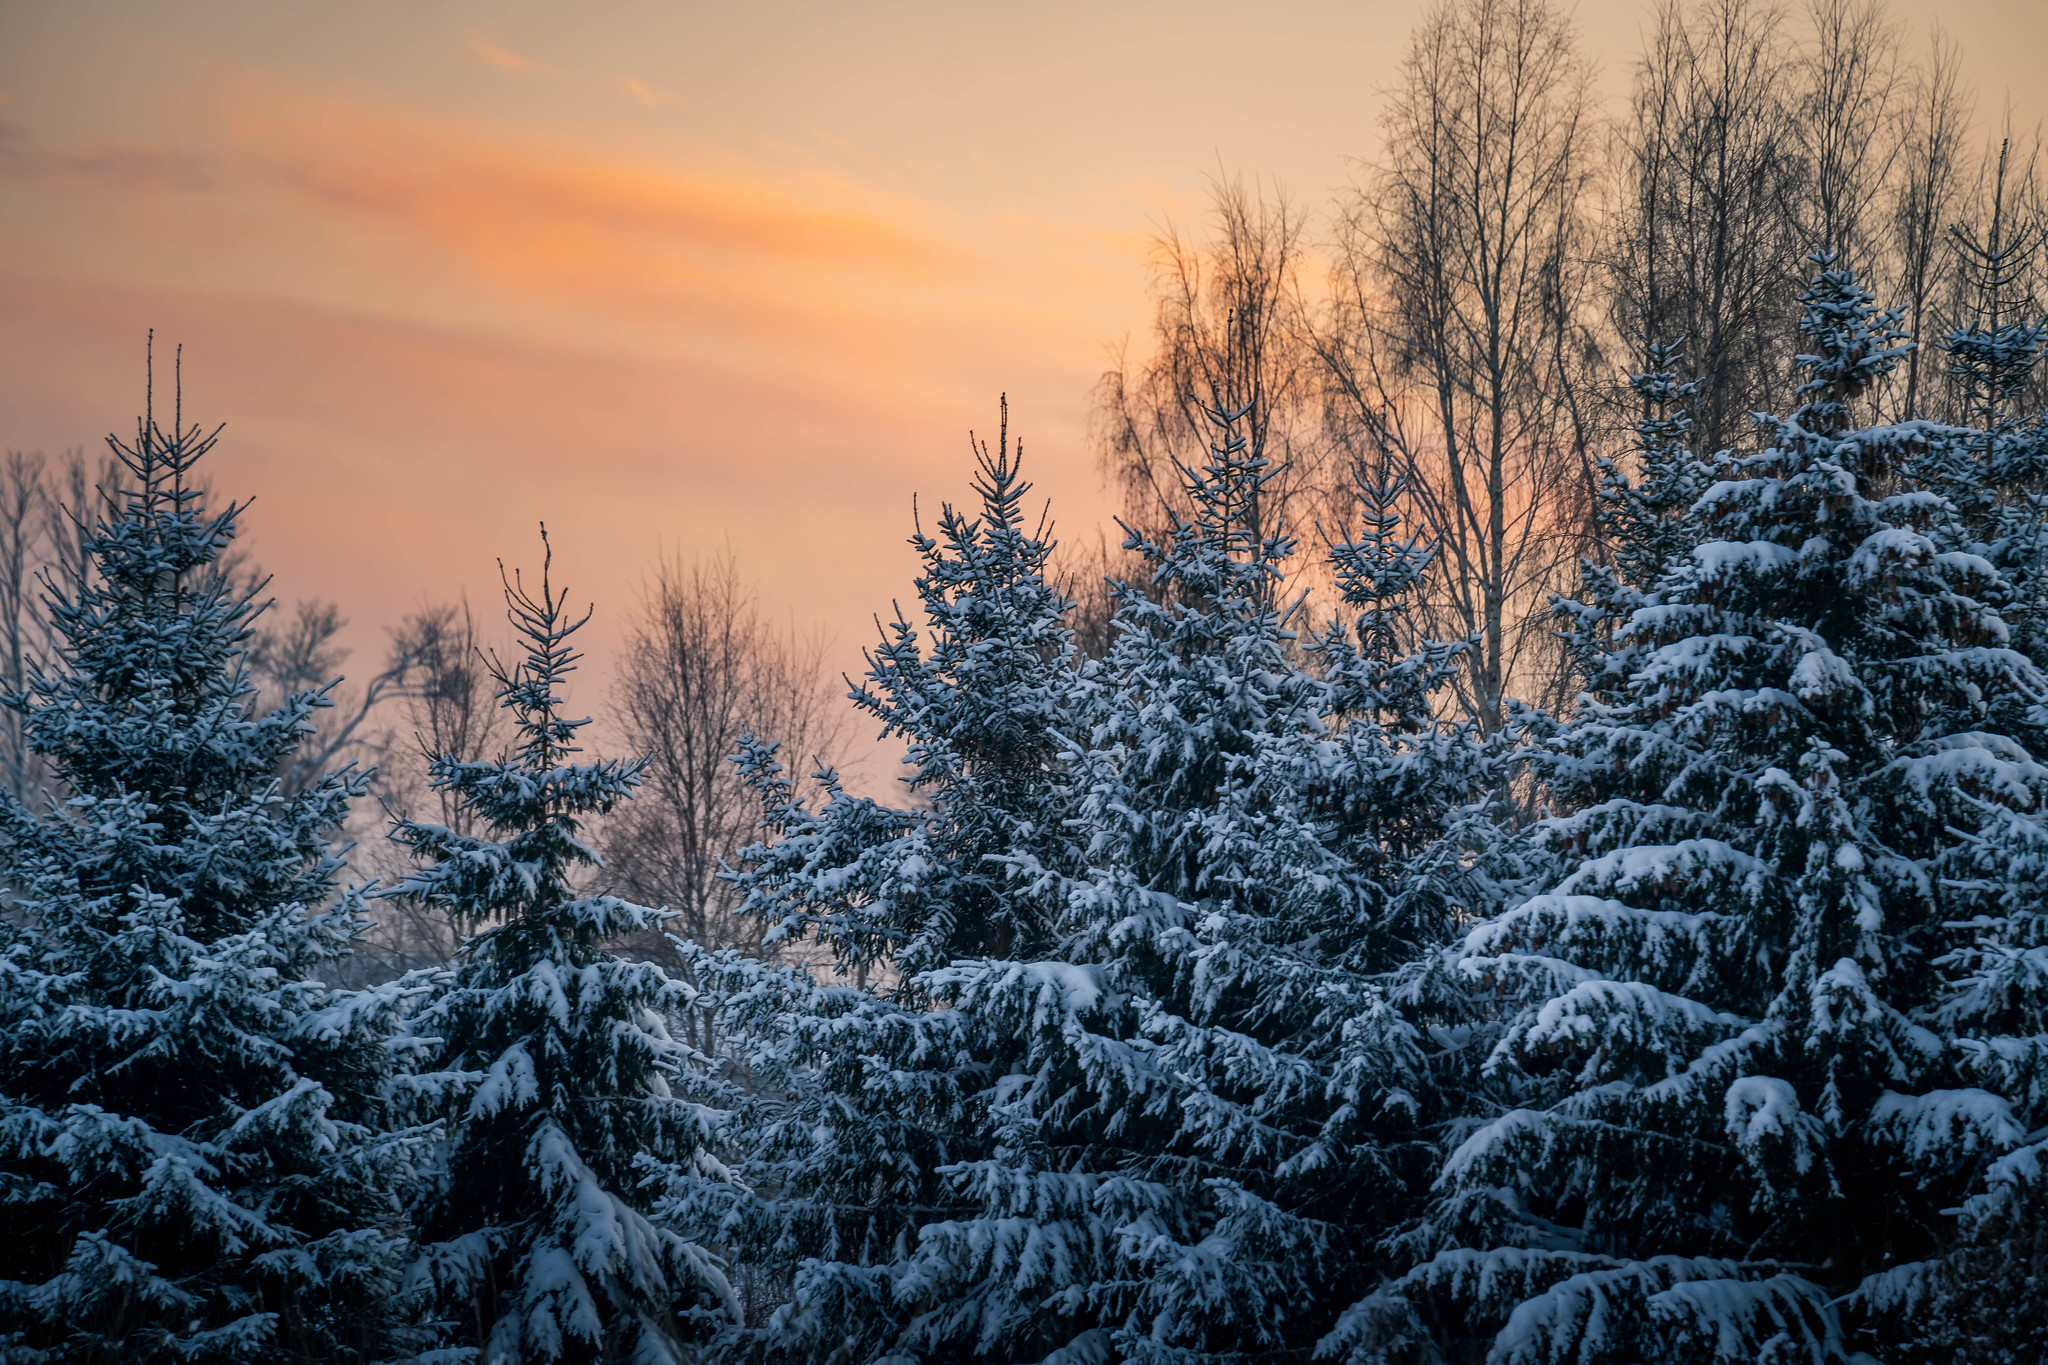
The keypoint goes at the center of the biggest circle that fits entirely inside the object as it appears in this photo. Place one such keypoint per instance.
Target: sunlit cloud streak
(641, 93)
(432, 332)
(465, 187)
(506, 60)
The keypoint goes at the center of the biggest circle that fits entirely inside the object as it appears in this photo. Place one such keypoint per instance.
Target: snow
(579, 1074)
(1760, 1109)
(167, 925)
(1941, 1127)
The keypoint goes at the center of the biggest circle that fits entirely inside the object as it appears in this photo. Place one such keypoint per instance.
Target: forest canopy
(1527, 843)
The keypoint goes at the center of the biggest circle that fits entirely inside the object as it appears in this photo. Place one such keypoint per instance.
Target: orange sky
(666, 275)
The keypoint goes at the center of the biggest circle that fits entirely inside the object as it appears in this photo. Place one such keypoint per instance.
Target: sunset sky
(666, 275)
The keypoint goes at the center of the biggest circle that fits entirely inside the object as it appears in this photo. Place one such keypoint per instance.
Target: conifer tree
(862, 1092)
(197, 1158)
(979, 701)
(1418, 809)
(1157, 1186)
(1725, 1120)
(565, 1095)
(1981, 1302)
(1219, 1105)
(1172, 1085)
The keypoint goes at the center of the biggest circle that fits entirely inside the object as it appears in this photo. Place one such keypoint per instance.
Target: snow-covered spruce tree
(980, 703)
(1981, 1303)
(1420, 810)
(196, 1158)
(1725, 1122)
(1188, 1101)
(1219, 1103)
(862, 1092)
(565, 1094)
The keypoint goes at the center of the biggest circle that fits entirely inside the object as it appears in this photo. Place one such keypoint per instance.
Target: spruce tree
(197, 1159)
(1981, 1302)
(864, 1090)
(979, 700)
(1224, 1111)
(1725, 1120)
(564, 1094)
(1175, 1092)
(1156, 1187)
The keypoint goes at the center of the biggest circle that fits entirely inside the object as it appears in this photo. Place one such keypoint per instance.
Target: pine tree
(863, 1093)
(1725, 1123)
(566, 1097)
(197, 1158)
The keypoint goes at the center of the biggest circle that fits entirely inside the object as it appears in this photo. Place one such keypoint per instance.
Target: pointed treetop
(1857, 343)
(528, 690)
(1223, 549)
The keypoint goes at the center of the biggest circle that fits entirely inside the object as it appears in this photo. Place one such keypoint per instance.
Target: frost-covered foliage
(564, 1094)
(864, 1095)
(1727, 1115)
(1984, 1300)
(1154, 1099)
(197, 1162)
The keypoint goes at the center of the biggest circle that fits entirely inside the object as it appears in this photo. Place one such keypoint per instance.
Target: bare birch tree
(1704, 247)
(22, 495)
(1227, 332)
(1453, 341)
(700, 667)
(1848, 128)
(440, 700)
(302, 651)
(45, 512)
(450, 702)
(1932, 180)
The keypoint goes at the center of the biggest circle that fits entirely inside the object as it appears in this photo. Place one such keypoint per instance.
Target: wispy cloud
(121, 167)
(540, 209)
(507, 60)
(651, 98)
(412, 315)
(767, 259)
